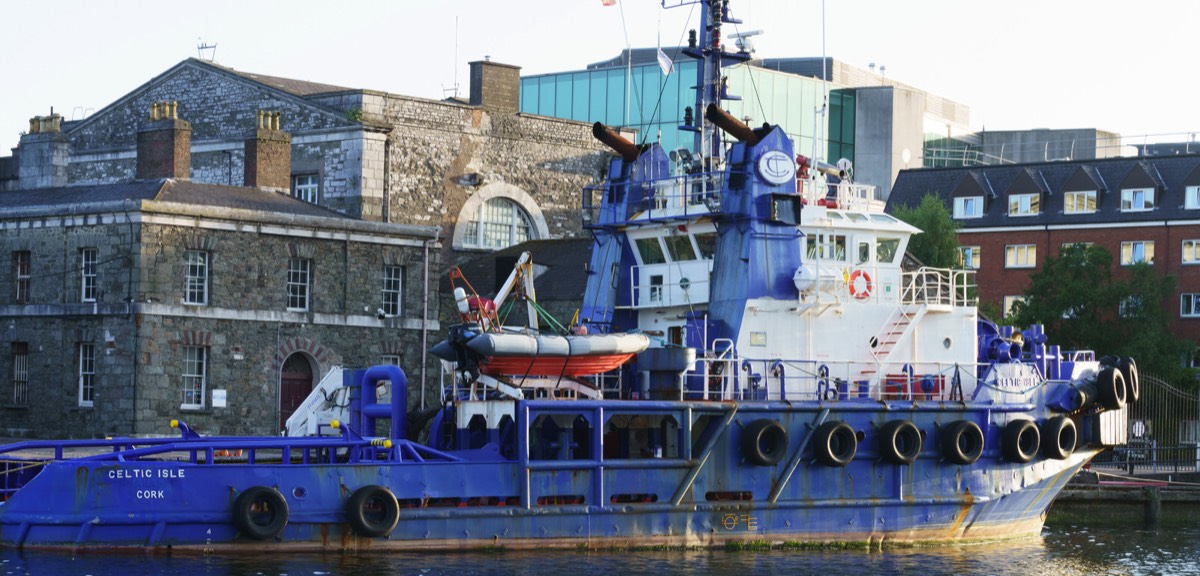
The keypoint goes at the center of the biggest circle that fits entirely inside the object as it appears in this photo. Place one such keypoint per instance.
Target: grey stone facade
(140, 322)
(420, 169)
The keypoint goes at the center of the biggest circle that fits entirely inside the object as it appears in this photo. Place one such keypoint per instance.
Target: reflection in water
(1063, 550)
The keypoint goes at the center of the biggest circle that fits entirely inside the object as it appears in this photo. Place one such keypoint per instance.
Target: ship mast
(711, 85)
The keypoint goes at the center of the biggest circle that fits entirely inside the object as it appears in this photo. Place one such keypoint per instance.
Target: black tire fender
(1110, 384)
(260, 513)
(1061, 437)
(1020, 441)
(899, 442)
(1133, 381)
(834, 443)
(372, 511)
(764, 442)
(962, 442)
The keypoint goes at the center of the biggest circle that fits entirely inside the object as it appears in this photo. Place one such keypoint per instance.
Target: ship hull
(713, 498)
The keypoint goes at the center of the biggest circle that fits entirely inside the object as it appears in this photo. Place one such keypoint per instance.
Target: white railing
(938, 286)
(683, 284)
(843, 196)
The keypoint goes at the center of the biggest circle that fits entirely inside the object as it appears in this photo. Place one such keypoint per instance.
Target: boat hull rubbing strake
(551, 355)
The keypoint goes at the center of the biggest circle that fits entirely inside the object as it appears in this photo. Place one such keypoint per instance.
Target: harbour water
(1061, 550)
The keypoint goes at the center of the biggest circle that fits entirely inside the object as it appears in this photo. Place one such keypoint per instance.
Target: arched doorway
(295, 384)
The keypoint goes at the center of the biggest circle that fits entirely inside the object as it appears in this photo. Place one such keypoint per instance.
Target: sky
(1018, 64)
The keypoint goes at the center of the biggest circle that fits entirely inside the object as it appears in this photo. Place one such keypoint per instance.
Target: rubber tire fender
(1061, 437)
(962, 442)
(1110, 384)
(1133, 381)
(834, 443)
(372, 511)
(900, 442)
(764, 442)
(260, 513)
(1020, 441)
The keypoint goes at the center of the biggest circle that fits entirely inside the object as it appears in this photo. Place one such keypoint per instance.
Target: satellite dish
(905, 155)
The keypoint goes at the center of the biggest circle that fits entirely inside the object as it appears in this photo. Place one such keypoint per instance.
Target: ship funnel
(626, 149)
(733, 126)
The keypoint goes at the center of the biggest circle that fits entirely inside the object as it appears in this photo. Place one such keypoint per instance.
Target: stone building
(134, 296)
(486, 174)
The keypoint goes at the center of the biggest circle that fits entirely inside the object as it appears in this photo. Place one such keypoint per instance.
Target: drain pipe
(425, 312)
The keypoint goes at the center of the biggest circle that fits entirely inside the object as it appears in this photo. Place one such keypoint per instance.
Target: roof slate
(1171, 175)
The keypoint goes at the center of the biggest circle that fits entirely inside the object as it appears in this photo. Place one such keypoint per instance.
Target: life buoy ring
(260, 513)
(372, 511)
(962, 442)
(764, 442)
(855, 291)
(834, 444)
(1110, 384)
(1133, 382)
(1061, 436)
(1020, 441)
(899, 442)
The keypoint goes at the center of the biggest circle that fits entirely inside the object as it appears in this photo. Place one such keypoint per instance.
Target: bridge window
(707, 244)
(650, 251)
(827, 247)
(680, 247)
(887, 249)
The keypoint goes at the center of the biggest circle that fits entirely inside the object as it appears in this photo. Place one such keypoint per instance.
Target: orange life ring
(855, 291)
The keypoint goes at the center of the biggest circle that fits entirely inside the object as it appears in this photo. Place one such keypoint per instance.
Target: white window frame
(499, 223)
(392, 291)
(970, 257)
(86, 354)
(1137, 199)
(306, 187)
(22, 274)
(1024, 204)
(195, 277)
(1020, 256)
(1191, 198)
(299, 284)
(1008, 304)
(88, 258)
(1190, 254)
(966, 207)
(1189, 305)
(389, 359)
(1073, 200)
(1137, 251)
(194, 376)
(1124, 308)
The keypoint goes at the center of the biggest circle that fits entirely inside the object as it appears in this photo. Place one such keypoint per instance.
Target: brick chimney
(496, 87)
(269, 155)
(164, 144)
(43, 154)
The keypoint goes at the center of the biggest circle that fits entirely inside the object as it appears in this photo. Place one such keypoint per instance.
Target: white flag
(665, 62)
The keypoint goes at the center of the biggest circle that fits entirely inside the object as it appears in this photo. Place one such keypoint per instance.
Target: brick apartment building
(1014, 216)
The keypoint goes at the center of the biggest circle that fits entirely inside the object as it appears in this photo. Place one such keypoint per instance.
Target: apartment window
(1066, 245)
(1023, 204)
(1191, 198)
(498, 223)
(1130, 307)
(1137, 199)
(87, 374)
(1020, 256)
(1010, 302)
(195, 277)
(298, 283)
(1134, 252)
(306, 187)
(968, 207)
(969, 257)
(1079, 202)
(194, 376)
(20, 373)
(87, 274)
(21, 265)
(1191, 252)
(393, 284)
(1189, 305)
(390, 359)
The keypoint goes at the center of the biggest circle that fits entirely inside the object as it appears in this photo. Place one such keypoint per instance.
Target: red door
(295, 384)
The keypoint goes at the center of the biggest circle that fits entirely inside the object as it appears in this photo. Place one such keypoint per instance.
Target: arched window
(498, 223)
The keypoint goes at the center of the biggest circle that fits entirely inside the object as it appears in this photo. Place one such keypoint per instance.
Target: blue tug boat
(783, 376)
